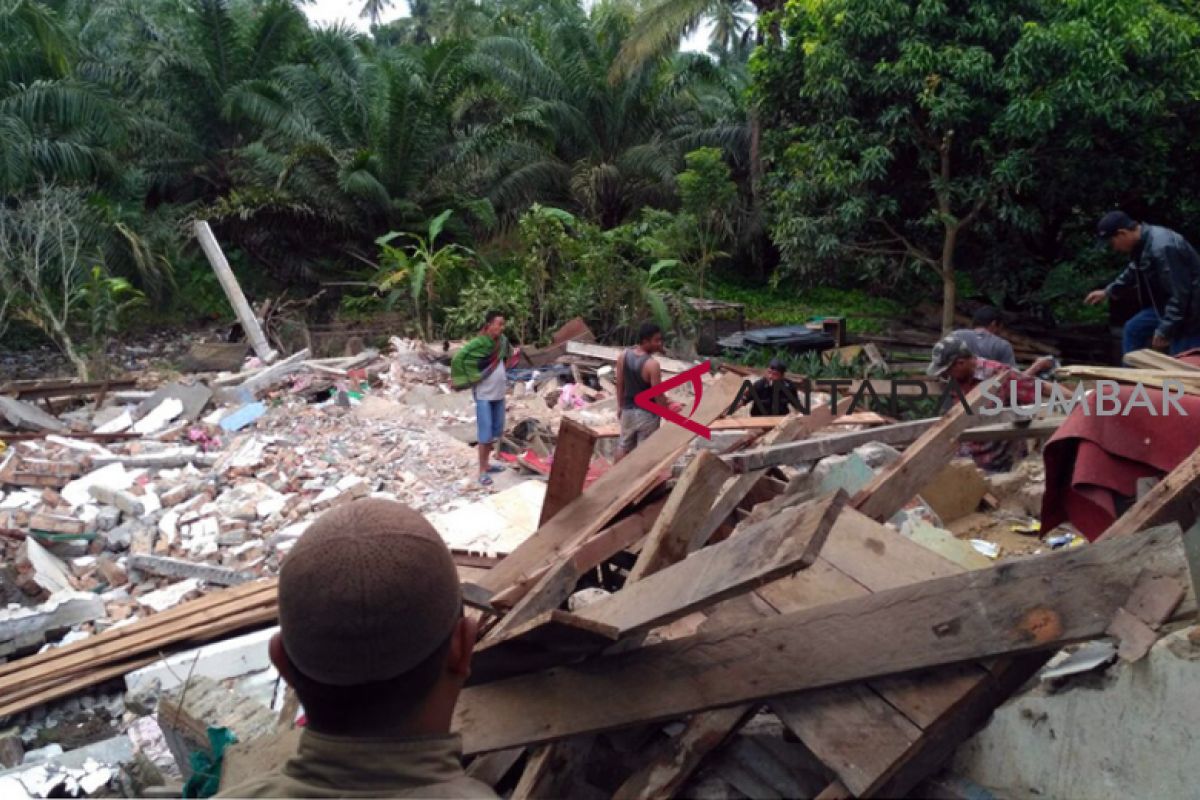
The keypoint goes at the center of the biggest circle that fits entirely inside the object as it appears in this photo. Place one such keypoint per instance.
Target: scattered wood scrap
(1012, 608)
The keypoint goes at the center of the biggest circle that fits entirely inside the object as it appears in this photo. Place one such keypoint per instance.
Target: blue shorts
(489, 420)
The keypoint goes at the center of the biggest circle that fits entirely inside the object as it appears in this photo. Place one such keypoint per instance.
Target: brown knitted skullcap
(367, 593)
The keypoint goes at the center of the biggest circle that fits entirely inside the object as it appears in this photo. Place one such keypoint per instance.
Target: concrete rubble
(121, 510)
(114, 511)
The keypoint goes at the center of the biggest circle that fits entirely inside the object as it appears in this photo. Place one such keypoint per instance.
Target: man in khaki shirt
(374, 642)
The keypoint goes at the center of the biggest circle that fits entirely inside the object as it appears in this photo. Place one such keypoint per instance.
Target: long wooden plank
(900, 481)
(898, 434)
(1173, 500)
(756, 554)
(812, 449)
(686, 508)
(604, 499)
(573, 451)
(663, 776)
(1152, 359)
(1176, 498)
(736, 490)
(861, 556)
(606, 353)
(1038, 603)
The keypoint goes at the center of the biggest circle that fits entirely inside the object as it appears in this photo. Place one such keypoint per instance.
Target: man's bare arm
(620, 382)
(652, 372)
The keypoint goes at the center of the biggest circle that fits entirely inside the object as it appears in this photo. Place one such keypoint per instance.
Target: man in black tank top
(637, 371)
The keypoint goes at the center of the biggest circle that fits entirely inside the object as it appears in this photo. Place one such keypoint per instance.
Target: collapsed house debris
(824, 604)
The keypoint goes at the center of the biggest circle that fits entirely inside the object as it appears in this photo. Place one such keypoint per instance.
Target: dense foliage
(555, 158)
(983, 136)
(304, 146)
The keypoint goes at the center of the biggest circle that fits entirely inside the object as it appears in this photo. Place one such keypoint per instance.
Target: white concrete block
(231, 658)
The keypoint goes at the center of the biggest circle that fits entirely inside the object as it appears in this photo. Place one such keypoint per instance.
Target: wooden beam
(573, 451)
(664, 775)
(1152, 359)
(899, 433)
(36, 390)
(900, 481)
(1037, 603)
(783, 544)
(1176, 498)
(736, 490)
(686, 508)
(233, 291)
(553, 770)
(585, 556)
(604, 499)
(605, 353)
(953, 719)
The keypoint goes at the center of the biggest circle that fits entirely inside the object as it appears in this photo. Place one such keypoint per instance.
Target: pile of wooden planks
(879, 655)
(32, 681)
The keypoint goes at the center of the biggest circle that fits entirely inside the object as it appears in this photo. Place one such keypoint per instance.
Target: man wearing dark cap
(953, 360)
(1165, 271)
(374, 642)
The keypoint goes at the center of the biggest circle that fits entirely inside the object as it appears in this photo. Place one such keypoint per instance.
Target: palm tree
(663, 23)
(373, 10)
(574, 139)
(732, 27)
(54, 126)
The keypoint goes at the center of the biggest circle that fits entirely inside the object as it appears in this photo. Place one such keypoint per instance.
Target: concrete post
(254, 331)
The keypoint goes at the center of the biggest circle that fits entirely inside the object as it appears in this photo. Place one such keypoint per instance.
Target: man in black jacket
(1166, 273)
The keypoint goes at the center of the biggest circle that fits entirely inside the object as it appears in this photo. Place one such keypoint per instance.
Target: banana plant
(421, 264)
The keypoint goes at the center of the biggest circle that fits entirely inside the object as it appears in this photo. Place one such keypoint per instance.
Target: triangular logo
(645, 400)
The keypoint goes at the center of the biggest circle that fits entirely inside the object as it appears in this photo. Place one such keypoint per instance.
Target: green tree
(904, 128)
(708, 200)
(54, 127)
(570, 137)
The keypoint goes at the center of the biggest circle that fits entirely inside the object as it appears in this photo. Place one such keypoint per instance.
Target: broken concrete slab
(113, 477)
(44, 569)
(1129, 732)
(169, 597)
(179, 568)
(135, 505)
(194, 398)
(205, 703)
(61, 612)
(25, 416)
(83, 771)
(117, 424)
(159, 416)
(219, 661)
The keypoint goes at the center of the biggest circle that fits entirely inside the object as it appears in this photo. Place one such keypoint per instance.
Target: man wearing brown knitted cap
(374, 641)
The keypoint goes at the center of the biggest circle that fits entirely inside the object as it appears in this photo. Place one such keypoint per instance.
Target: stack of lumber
(879, 655)
(29, 682)
(1147, 367)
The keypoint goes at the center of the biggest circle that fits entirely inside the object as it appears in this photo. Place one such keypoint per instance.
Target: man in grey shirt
(984, 340)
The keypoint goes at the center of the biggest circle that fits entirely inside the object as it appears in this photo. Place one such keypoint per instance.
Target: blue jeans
(489, 420)
(1139, 333)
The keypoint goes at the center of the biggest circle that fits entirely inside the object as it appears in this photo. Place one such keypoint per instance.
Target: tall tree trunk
(949, 287)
